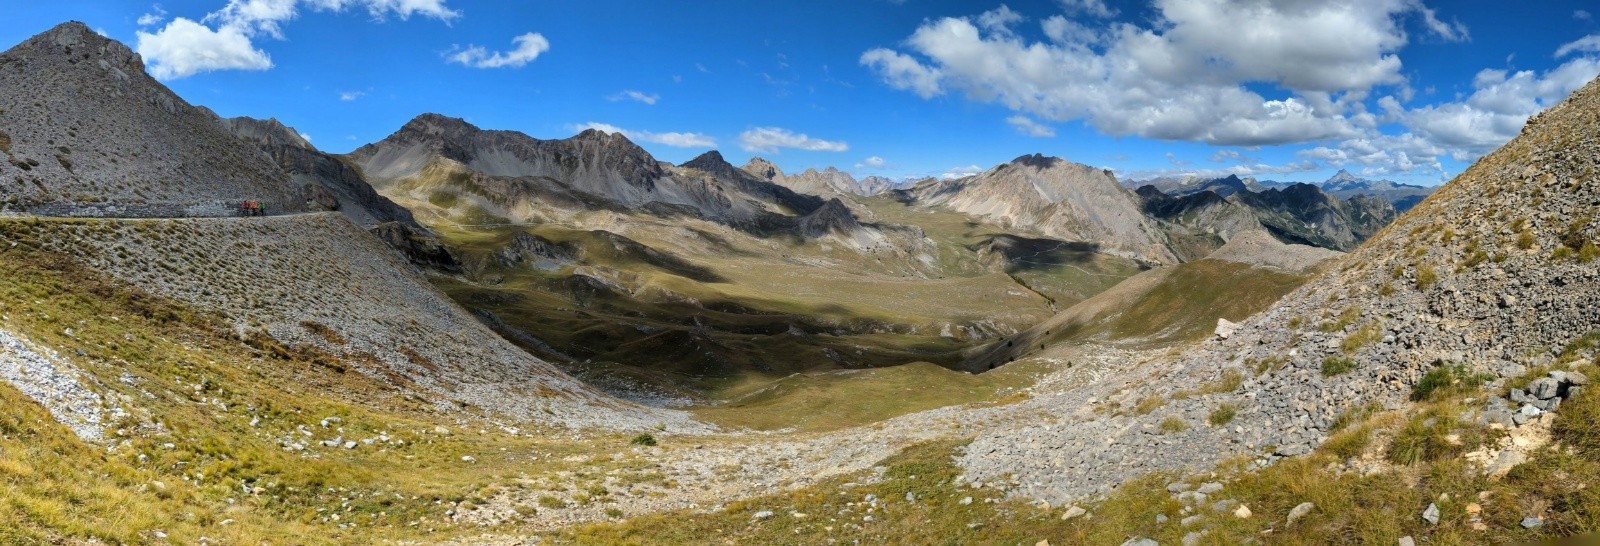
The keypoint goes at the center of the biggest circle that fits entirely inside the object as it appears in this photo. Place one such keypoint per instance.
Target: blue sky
(1409, 90)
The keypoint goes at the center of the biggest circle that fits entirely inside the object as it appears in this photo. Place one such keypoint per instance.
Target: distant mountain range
(1342, 185)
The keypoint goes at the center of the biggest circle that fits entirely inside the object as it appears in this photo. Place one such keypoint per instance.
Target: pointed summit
(88, 122)
(713, 164)
(764, 170)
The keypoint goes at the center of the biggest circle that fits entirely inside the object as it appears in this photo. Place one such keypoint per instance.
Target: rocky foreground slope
(1494, 273)
(318, 281)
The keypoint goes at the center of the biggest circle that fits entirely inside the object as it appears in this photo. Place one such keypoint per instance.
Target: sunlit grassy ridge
(203, 453)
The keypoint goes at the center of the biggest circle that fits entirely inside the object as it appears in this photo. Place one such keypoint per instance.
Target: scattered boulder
(1225, 328)
(1298, 512)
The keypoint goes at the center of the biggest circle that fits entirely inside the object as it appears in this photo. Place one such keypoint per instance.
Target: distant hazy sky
(1410, 90)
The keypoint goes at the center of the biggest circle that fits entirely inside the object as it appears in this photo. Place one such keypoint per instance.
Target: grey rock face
(329, 183)
(514, 172)
(85, 131)
(1054, 197)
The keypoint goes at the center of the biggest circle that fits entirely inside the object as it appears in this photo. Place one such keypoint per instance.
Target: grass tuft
(1337, 365)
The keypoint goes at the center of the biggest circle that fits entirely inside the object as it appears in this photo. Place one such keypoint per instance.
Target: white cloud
(961, 172)
(1096, 8)
(873, 162)
(155, 17)
(184, 48)
(1250, 169)
(223, 39)
(902, 71)
(403, 9)
(348, 96)
(676, 140)
(1451, 32)
(1586, 44)
(1184, 77)
(771, 139)
(1231, 156)
(636, 96)
(1028, 126)
(999, 20)
(1582, 15)
(305, 137)
(528, 47)
(1498, 107)
(1381, 155)
(1173, 159)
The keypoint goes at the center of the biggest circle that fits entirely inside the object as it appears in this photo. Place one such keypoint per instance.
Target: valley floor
(214, 435)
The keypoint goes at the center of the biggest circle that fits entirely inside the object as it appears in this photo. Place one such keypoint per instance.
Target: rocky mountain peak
(712, 163)
(83, 119)
(270, 132)
(75, 39)
(438, 126)
(1037, 161)
(763, 169)
(832, 217)
(1343, 177)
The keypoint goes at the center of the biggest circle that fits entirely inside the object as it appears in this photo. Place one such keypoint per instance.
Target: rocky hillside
(85, 130)
(511, 175)
(1054, 197)
(328, 182)
(1492, 277)
(1200, 221)
(1179, 186)
(319, 281)
(827, 183)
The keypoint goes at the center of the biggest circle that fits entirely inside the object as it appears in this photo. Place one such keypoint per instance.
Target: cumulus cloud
(1381, 154)
(1028, 126)
(771, 139)
(1498, 107)
(873, 162)
(636, 96)
(1243, 170)
(903, 72)
(184, 48)
(999, 20)
(223, 39)
(528, 48)
(676, 140)
(1187, 77)
(1586, 44)
(961, 172)
(348, 96)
